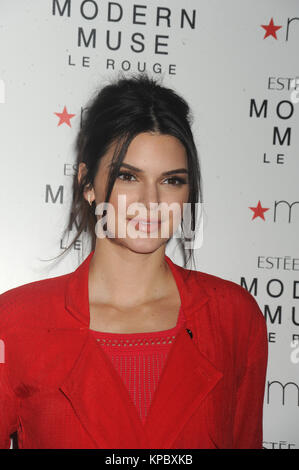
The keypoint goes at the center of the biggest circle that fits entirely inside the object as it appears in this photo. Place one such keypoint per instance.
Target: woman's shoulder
(226, 295)
(29, 298)
(213, 283)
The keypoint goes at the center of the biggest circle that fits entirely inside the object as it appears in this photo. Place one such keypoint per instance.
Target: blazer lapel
(104, 407)
(101, 401)
(186, 380)
(100, 398)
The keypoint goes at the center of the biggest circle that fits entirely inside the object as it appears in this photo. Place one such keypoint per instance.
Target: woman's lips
(143, 225)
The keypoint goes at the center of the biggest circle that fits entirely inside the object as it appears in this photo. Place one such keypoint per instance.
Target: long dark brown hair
(121, 110)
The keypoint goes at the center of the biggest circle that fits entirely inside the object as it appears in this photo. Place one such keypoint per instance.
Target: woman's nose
(149, 195)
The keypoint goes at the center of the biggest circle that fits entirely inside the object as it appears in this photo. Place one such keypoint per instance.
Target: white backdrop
(234, 62)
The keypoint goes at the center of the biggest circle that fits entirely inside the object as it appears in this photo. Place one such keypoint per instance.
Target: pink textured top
(139, 359)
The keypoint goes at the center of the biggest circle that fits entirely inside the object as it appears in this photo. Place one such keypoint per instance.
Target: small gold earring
(90, 202)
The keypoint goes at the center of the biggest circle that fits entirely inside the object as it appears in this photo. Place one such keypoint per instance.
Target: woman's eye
(126, 176)
(176, 181)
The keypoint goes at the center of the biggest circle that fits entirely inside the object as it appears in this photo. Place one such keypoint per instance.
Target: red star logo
(258, 211)
(65, 117)
(270, 29)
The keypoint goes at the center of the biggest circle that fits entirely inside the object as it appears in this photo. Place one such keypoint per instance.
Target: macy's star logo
(270, 29)
(65, 117)
(258, 211)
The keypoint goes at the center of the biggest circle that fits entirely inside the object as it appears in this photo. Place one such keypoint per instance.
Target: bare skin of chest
(159, 315)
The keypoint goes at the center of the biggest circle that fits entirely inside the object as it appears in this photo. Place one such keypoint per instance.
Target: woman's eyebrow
(165, 173)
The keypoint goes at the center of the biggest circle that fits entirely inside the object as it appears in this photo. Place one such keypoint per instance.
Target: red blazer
(58, 389)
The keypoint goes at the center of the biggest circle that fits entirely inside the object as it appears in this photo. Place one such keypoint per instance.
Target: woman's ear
(88, 192)
(81, 171)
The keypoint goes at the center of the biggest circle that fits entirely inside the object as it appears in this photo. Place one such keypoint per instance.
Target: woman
(131, 350)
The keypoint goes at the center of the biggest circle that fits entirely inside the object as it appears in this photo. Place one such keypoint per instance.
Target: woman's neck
(118, 276)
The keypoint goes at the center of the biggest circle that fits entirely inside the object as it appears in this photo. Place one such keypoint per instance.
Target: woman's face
(143, 190)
